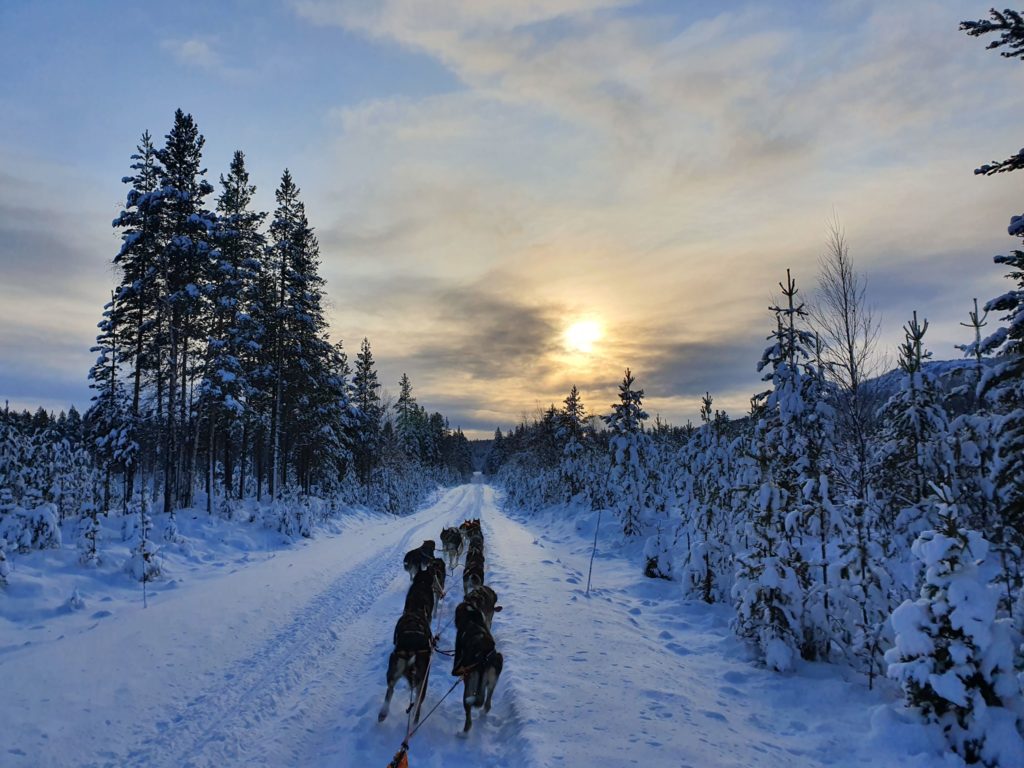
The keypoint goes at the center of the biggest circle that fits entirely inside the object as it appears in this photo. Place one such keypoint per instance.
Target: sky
(484, 176)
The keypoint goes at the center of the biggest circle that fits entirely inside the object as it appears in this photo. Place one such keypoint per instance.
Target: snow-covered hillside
(277, 658)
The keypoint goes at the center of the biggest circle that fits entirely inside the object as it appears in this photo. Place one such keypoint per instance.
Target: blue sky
(482, 175)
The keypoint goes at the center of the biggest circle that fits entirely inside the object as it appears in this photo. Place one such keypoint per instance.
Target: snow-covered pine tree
(703, 480)
(408, 419)
(144, 564)
(766, 589)
(974, 446)
(187, 232)
(106, 418)
(366, 398)
(914, 452)
(1004, 382)
(633, 482)
(139, 305)
(781, 584)
(573, 463)
(235, 332)
(89, 536)
(952, 656)
(310, 403)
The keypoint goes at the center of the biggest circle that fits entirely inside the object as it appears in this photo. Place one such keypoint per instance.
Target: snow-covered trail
(281, 663)
(633, 675)
(253, 668)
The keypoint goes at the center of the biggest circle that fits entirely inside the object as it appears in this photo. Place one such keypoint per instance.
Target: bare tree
(848, 329)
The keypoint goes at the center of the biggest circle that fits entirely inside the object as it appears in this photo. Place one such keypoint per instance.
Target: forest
(215, 375)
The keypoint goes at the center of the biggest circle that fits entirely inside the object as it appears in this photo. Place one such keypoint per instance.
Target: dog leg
(396, 668)
(468, 699)
(491, 675)
(422, 691)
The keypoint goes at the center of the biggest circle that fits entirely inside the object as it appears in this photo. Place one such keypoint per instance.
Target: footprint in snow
(101, 615)
(678, 649)
(712, 715)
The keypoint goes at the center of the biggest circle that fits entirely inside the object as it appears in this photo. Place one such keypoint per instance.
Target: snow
(258, 652)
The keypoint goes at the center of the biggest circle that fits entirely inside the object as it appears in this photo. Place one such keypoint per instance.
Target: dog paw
(382, 716)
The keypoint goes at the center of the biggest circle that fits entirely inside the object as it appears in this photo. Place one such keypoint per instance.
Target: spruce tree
(914, 453)
(187, 232)
(781, 581)
(1004, 384)
(139, 295)
(106, 418)
(366, 398)
(952, 656)
(635, 482)
(236, 335)
(702, 490)
(575, 447)
(407, 418)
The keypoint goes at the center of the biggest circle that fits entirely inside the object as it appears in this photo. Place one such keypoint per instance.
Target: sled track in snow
(223, 724)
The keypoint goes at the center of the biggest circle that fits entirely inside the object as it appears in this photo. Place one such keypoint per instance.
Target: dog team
(476, 660)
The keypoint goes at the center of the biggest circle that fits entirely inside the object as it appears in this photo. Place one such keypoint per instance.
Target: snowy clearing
(279, 660)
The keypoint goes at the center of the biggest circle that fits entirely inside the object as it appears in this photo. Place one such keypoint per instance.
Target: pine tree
(914, 454)
(1004, 385)
(782, 580)
(366, 398)
(88, 537)
(573, 462)
(952, 657)
(187, 231)
(634, 481)
(138, 297)
(105, 418)
(235, 332)
(702, 490)
(407, 418)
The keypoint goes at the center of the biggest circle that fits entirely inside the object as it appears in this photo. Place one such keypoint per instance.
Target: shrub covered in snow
(953, 658)
(144, 564)
(27, 529)
(75, 602)
(88, 537)
(290, 514)
(5, 567)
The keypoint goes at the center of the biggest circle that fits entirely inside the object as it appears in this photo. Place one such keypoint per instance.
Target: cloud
(200, 53)
(661, 166)
(489, 337)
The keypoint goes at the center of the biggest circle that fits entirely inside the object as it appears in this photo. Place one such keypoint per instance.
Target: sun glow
(582, 335)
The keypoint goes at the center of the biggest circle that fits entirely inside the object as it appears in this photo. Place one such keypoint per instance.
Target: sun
(582, 335)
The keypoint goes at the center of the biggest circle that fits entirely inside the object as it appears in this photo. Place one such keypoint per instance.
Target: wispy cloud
(201, 53)
(661, 167)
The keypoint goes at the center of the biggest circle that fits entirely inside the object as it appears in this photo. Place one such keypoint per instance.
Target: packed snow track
(280, 661)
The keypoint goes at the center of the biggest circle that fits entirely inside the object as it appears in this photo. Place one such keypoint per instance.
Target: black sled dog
(419, 559)
(422, 595)
(485, 600)
(451, 545)
(410, 659)
(476, 660)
